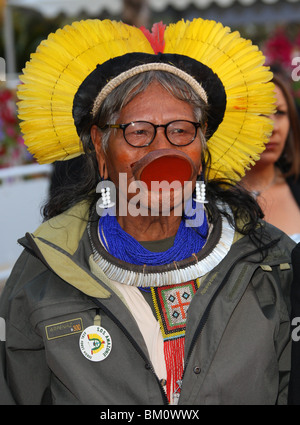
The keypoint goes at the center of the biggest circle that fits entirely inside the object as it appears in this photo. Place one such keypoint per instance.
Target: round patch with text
(95, 343)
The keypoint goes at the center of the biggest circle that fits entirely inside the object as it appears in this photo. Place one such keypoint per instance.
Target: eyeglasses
(142, 133)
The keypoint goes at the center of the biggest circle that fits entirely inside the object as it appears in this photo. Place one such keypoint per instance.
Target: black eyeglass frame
(155, 126)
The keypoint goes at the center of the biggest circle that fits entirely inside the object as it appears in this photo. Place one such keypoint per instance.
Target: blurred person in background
(274, 179)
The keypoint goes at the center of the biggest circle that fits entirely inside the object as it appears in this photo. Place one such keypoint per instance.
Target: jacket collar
(56, 243)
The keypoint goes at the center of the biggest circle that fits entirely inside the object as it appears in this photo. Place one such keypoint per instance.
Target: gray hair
(110, 109)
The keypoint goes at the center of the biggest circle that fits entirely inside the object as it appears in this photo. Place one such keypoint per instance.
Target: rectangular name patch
(61, 329)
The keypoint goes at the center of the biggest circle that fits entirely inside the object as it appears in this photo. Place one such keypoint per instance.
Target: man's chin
(159, 203)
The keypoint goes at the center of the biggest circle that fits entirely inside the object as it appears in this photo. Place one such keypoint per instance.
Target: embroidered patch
(171, 304)
(61, 329)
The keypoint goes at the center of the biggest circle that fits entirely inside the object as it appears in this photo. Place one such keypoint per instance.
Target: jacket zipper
(205, 315)
(135, 345)
(34, 251)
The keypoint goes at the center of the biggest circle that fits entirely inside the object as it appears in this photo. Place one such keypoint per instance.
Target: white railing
(20, 203)
(24, 171)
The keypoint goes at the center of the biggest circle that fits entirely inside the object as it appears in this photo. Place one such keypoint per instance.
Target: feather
(239, 65)
(156, 38)
(53, 75)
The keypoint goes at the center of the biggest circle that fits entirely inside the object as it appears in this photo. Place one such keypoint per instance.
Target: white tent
(229, 12)
(52, 8)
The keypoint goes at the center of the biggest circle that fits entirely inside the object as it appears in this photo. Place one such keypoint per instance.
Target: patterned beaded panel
(171, 304)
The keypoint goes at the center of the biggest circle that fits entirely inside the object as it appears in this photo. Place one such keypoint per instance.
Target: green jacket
(237, 346)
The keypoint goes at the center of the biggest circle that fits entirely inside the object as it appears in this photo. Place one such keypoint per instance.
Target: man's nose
(275, 122)
(160, 140)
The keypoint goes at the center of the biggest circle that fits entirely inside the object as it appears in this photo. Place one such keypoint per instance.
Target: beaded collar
(218, 244)
(122, 245)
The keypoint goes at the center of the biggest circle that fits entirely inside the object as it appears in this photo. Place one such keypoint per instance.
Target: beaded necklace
(123, 246)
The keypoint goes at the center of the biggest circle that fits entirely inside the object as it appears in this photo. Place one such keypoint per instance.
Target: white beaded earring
(200, 192)
(106, 201)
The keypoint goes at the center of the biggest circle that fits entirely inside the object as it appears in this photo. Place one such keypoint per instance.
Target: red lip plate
(167, 168)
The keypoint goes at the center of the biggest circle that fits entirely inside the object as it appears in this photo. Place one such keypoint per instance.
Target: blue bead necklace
(120, 244)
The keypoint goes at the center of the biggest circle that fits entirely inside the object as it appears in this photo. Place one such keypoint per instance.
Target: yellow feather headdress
(62, 63)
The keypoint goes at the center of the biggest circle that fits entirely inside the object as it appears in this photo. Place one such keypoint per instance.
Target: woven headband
(112, 84)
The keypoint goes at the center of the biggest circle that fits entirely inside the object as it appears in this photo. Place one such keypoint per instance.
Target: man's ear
(200, 169)
(96, 137)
